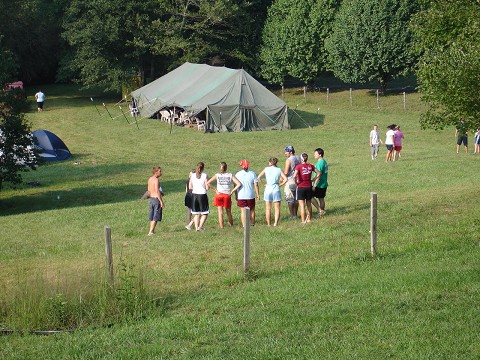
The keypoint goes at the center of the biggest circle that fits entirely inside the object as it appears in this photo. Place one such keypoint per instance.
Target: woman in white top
(389, 142)
(223, 191)
(198, 185)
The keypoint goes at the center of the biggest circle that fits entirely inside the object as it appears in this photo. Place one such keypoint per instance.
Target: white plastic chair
(166, 115)
(200, 125)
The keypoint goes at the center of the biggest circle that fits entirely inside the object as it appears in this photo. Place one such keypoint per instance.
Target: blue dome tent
(51, 147)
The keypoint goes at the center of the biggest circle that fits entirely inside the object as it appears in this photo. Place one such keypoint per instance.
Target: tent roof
(51, 146)
(195, 87)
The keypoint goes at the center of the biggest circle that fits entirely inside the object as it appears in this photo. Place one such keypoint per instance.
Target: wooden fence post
(246, 241)
(108, 253)
(373, 223)
(378, 101)
(328, 94)
(351, 100)
(404, 101)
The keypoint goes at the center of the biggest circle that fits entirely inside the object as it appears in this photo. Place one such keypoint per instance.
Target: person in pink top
(397, 142)
(303, 177)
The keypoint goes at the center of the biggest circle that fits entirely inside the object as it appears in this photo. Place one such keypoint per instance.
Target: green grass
(313, 292)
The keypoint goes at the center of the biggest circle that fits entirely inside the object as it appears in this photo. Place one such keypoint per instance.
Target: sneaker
(322, 212)
(150, 234)
(307, 219)
(188, 227)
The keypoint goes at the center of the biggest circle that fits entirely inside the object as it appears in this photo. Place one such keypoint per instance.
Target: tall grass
(314, 291)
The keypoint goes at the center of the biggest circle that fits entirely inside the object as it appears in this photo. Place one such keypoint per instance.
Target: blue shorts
(155, 213)
(272, 193)
(389, 147)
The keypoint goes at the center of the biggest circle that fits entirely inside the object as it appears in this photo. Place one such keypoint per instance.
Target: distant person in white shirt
(40, 97)
(375, 141)
(389, 142)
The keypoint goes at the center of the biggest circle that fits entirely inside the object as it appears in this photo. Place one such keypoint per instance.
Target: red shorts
(250, 203)
(398, 148)
(222, 200)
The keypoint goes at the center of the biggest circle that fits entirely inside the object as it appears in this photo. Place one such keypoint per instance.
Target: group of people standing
(393, 142)
(304, 184)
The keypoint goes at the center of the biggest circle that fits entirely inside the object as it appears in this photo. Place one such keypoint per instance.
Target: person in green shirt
(320, 189)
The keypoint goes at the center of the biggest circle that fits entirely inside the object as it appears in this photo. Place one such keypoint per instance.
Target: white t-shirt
(223, 183)
(375, 137)
(389, 139)
(198, 185)
(40, 96)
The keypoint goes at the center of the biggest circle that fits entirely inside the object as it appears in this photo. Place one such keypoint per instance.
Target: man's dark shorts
(40, 105)
(389, 147)
(155, 210)
(320, 193)
(462, 139)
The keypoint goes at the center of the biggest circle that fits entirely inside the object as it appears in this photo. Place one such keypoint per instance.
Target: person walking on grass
(397, 142)
(40, 97)
(198, 185)
(320, 188)
(389, 142)
(375, 142)
(274, 179)
(248, 192)
(156, 204)
(223, 191)
(303, 176)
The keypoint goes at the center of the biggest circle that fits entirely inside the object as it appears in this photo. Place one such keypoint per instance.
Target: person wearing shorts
(476, 142)
(397, 142)
(222, 199)
(389, 142)
(274, 179)
(291, 186)
(248, 192)
(40, 97)
(198, 185)
(461, 133)
(320, 189)
(303, 177)
(156, 201)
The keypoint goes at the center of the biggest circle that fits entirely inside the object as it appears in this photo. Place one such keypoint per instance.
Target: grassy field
(314, 292)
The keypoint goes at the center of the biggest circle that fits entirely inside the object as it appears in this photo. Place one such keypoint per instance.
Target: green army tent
(232, 99)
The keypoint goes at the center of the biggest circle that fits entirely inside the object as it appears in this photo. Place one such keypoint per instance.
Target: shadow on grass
(62, 199)
(302, 119)
(343, 210)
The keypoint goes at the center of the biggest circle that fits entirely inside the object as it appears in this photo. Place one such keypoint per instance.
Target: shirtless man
(156, 201)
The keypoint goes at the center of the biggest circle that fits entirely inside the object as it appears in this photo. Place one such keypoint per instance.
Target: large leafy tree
(448, 34)
(371, 41)
(31, 30)
(16, 150)
(293, 39)
(114, 41)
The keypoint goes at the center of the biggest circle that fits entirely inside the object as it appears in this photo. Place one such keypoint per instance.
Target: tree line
(124, 43)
